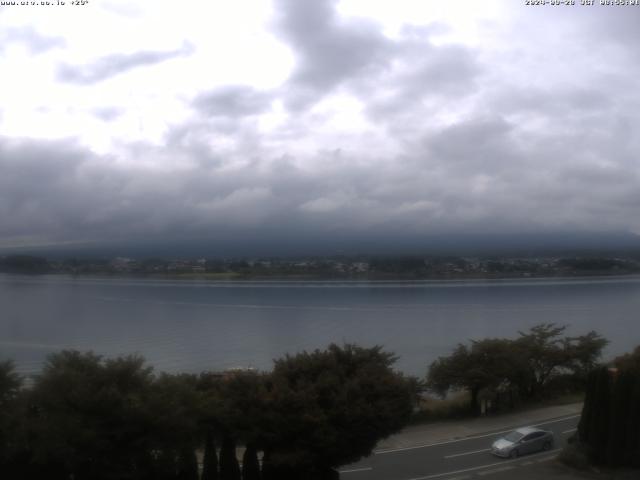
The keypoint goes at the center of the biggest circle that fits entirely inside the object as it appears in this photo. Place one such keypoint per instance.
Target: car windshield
(513, 436)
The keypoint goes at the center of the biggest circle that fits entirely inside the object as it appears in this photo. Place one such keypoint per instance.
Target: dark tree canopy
(486, 364)
(89, 414)
(329, 408)
(524, 365)
(609, 428)
(10, 382)
(629, 361)
(91, 418)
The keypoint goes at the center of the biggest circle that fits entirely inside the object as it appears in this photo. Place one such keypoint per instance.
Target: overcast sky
(294, 119)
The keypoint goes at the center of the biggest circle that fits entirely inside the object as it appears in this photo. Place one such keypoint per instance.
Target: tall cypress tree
(187, 464)
(610, 423)
(229, 468)
(250, 464)
(619, 421)
(166, 468)
(210, 460)
(632, 434)
(601, 417)
(585, 425)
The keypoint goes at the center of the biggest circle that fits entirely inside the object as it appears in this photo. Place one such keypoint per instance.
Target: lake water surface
(194, 326)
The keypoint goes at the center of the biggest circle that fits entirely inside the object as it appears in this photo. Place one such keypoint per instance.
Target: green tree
(229, 467)
(187, 464)
(174, 407)
(10, 382)
(329, 408)
(602, 419)
(543, 349)
(10, 413)
(629, 361)
(584, 352)
(241, 405)
(250, 464)
(89, 416)
(232, 406)
(487, 364)
(616, 448)
(526, 364)
(609, 428)
(549, 354)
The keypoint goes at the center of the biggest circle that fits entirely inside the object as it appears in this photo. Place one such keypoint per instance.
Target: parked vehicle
(522, 441)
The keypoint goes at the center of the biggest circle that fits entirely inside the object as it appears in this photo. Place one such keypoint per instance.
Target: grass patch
(565, 399)
(455, 405)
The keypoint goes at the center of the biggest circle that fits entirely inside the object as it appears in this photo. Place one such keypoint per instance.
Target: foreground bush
(90, 418)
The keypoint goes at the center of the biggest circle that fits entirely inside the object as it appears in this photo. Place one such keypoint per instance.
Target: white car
(522, 441)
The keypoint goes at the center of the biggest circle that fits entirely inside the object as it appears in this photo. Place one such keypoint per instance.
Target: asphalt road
(456, 459)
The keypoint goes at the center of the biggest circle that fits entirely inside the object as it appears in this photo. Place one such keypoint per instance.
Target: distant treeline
(24, 264)
(90, 418)
(356, 267)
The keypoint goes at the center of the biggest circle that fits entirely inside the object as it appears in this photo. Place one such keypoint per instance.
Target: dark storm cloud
(469, 178)
(31, 38)
(232, 101)
(387, 74)
(479, 144)
(111, 65)
(423, 72)
(329, 50)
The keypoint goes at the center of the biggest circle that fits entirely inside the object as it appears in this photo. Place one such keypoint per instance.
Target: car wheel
(514, 453)
(546, 446)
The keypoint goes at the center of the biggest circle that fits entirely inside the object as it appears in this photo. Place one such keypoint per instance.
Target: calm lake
(194, 326)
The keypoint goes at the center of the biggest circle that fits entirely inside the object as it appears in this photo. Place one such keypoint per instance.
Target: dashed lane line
(496, 470)
(354, 470)
(467, 453)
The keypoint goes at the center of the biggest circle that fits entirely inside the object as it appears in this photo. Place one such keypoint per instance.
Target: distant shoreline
(360, 269)
(238, 278)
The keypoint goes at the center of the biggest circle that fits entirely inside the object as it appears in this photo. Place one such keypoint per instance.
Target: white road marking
(473, 437)
(353, 470)
(471, 469)
(558, 420)
(467, 453)
(496, 470)
(570, 430)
